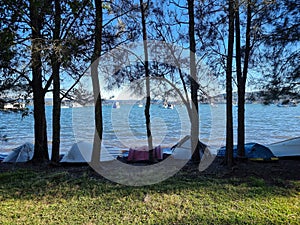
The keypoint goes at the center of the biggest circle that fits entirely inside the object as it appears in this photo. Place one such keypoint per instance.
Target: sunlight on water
(125, 127)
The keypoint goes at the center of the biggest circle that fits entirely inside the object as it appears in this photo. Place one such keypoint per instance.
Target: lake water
(125, 127)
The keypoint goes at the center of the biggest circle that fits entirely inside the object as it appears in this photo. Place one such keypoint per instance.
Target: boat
(75, 105)
(286, 148)
(23, 153)
(116, 105)
(81, 153)
(65, 104)
(17, 106)
(168, 105)
(180, 151)
(140, 104)
(253, 152)
(70, 104)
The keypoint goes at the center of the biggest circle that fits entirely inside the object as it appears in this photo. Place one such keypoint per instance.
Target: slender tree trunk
(248, 43)
(56, 85)
(96, 87)
(242, 78)
(229, 120)
(146, 66)
(194, 86)
(241, 123)
(56, 112)
(40, 127)
(241, 91)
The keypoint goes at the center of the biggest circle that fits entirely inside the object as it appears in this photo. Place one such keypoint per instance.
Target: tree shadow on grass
(247, 180)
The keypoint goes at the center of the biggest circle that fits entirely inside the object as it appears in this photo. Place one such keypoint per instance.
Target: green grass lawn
(58, 197)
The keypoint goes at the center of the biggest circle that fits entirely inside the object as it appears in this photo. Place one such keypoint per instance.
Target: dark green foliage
(282, 53)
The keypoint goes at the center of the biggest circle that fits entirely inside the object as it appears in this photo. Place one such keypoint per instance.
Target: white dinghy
(22, 153)
(81, 152)
(287, 148)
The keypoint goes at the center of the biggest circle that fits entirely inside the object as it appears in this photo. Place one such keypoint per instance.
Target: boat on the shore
(23, 153)
(253, 152)
(180, 151)
(81, 152)
(286, 148)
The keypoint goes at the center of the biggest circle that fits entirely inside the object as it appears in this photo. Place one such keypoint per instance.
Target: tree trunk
(241, 122)
(241, 90)
(242, 79)
(40, 127)
(229, 120)
(56, 113)
(194, 86)
(56, 85)
(146, 66)
(96, 87)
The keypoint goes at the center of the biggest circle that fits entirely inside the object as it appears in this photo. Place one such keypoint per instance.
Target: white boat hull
(290, 147)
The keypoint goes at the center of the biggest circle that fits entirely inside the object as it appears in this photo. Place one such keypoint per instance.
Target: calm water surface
(124, 127)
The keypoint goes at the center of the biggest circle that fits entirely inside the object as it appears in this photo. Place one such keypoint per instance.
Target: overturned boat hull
(287, 148)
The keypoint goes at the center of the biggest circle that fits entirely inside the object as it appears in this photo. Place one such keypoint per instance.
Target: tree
(95, 81)
(13, 85)
(54, 47)
(26, 20)
(249, 50)
(242, 75)
(55, 63)
(194, 85)
(37, 14)
(176, 27)
(215, 31)
(106, 37)
(229, 120)
(143, 8)
(283, 80)
(282, 54)
(66, 41)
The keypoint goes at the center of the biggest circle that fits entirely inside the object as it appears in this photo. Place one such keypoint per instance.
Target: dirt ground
(272, 172)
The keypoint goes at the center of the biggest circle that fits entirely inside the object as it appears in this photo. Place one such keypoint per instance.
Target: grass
(58, 197)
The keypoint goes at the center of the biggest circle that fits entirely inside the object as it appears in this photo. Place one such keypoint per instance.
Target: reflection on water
(125, 127)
